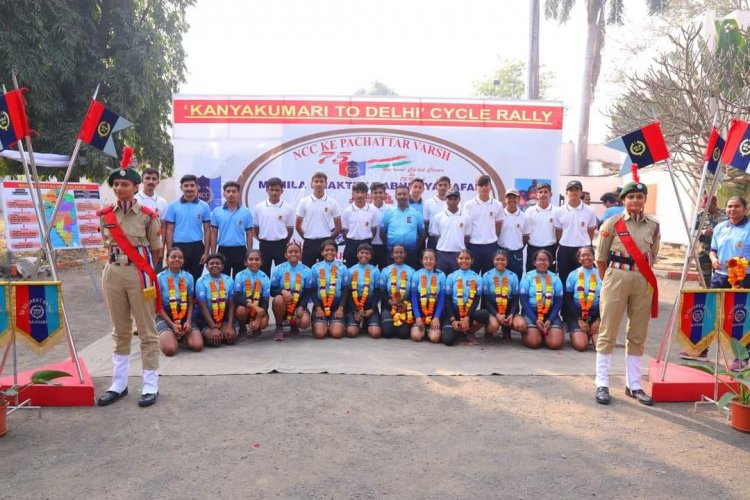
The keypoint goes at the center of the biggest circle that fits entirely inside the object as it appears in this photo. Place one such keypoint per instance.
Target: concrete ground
(534, 435)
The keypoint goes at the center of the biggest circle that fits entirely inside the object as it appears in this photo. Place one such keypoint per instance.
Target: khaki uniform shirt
(645, 233)
(141, 229)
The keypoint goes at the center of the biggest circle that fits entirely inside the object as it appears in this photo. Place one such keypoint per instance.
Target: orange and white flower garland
(398, 293)
(501, 294)
(252, 295)
(465, 305)
(586, 297)
(327, 296)
(427, 297)
(177, 308)
(295, 292)
(543, 296)
(218, 301)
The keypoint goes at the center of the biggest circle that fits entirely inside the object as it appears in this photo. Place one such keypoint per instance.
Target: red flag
(14, 125)
(737, 149)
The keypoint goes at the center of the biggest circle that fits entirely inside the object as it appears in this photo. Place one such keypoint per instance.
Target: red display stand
(681, 383)
(70, 392)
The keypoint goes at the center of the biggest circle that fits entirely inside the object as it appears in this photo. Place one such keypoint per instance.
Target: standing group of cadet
(419, 269)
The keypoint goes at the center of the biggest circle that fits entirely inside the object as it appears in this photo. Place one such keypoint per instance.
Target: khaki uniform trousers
(624, 291)
(123, 294)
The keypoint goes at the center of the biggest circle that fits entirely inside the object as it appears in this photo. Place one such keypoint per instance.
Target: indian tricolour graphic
(351, 140)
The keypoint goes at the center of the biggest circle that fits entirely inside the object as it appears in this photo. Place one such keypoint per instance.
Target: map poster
(76, 224)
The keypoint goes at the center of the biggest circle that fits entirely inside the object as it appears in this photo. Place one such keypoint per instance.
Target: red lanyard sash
(640, 261)
(110, 222)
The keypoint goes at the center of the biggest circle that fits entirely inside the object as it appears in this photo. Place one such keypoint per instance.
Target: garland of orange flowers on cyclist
(218, 301)
(178, 308)
(501, 294)
(398, 291)
(586, 297)
(465, 305)
(328, 296)
(252, 294)
(543, 296)
(427, 297)
(295, 292)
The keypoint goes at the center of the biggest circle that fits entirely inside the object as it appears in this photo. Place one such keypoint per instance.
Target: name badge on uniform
(198, 217)
(408, 219)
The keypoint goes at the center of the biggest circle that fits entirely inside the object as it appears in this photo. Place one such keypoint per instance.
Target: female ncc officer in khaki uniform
(627, 249)
(131, 233)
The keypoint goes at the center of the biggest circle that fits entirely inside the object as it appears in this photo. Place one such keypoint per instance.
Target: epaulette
(105, 210)
(148, 211)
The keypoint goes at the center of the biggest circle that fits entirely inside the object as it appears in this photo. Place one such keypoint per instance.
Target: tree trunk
(592, 63)
(532, 65)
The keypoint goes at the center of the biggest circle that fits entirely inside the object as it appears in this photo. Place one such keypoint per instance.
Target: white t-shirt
(359, 222)
(514, 227)
(541, 225)
(432, 207)
(575, 223)
(483, 216)
(318, 215)
(155, 203)
(273, 220)
(452, 229)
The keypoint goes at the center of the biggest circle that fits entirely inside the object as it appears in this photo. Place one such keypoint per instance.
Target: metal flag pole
(68, 171)
(671, 323)
(47, 248)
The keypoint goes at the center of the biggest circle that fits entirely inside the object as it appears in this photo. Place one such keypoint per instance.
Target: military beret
(125, 171)
(633, 187)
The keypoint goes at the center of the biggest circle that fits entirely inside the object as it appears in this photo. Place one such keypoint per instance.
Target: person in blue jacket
(329, 291)
(364, 280)
(428, 299)
(463, 292)
(252, 293)
(395, 296)
(541, 296)
(500, 298)
(290, 283)
(581, 301)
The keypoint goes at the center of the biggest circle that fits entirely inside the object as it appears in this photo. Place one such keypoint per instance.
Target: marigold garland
(360, 300)
(736, 271)
(295, 292)
(427, 297)
(465, 305)
(327, 296)
(501, 294)
(543, 300)
(398, 292)
(218, 301)
(586, 297)
(177, 308)
(252, 295)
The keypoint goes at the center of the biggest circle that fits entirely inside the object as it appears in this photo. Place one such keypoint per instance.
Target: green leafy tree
(62, 50)
(377, 88)
(599, 14)
(507, 82)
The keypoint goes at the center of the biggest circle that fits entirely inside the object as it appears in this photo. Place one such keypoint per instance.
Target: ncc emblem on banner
(209, 190)
(4, 121)
(353, 169)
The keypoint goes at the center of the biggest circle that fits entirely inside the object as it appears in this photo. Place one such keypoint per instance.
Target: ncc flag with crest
(99, 125)
(37, 313)
(14, 124)
(737, 149)
(644, 146)
(714, 150)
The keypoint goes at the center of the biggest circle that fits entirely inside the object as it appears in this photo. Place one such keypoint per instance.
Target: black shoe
(147, 399)
(639, 395)
(602, 395)
(111, 396)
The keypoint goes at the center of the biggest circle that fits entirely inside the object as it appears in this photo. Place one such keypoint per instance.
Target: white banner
(222, 138)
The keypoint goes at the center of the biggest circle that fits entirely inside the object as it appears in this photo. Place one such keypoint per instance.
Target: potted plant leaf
(38, 377)
(739, 397)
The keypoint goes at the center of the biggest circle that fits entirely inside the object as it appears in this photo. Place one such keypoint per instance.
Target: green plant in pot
(9, 394)
(739, 397)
